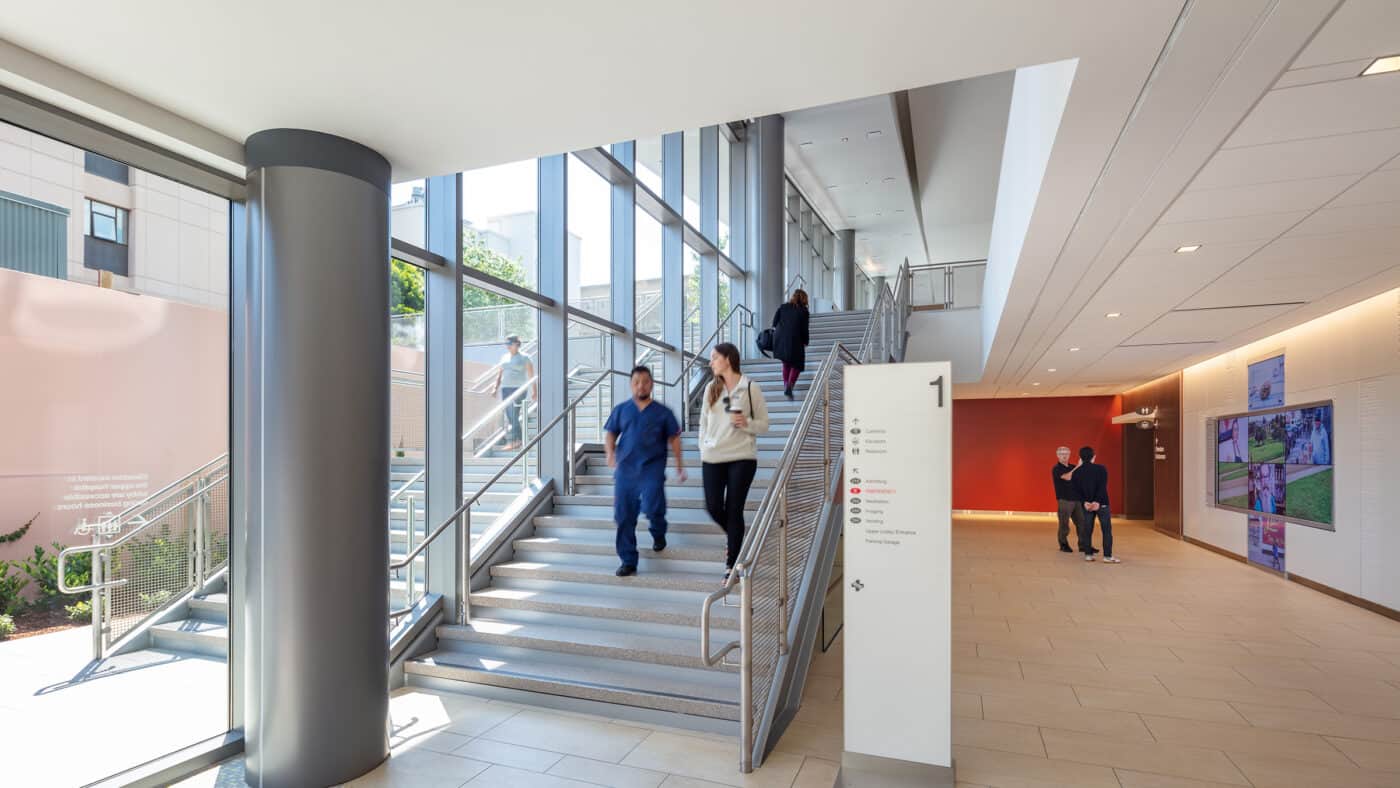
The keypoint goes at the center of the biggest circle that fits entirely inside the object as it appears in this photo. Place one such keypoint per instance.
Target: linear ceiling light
(1187, 249)
(1112, 315)
(1382, 65)
(870, 135)
(1074, 350)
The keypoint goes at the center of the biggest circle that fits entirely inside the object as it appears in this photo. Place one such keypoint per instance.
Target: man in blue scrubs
(638, 432)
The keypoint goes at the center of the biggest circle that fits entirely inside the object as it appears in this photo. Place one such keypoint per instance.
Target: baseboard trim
(1366, 604)
(1217, 550)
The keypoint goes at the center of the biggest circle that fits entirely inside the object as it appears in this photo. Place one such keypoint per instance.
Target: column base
(871, 771)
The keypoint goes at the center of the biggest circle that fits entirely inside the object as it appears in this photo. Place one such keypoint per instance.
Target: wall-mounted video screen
(1277, 462)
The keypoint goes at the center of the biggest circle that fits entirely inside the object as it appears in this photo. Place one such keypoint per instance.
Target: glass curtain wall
(408, 406)
(589, 240)
(500, 218)
(649, 163)
(691, 274)
(116, 440)
(691, 169)
(648, 275)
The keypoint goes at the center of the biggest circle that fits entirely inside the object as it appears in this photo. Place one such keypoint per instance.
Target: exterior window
(104, 221)
(104, 247)
(106, 168)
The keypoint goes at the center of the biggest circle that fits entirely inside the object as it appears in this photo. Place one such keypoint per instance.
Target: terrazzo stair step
(767, 458)
(210, 607)
(674, 516)
(604, 575)
(192, 636)
(609, 681)
(699, 548)
(675, 499)
(599, 467)
(581, 640)
(568, 526)
(563, 600)
(692, 481)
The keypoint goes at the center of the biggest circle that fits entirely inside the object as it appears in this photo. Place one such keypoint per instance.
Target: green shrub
(79, 612)
(10, 587)
(7, 626)
(42, 568)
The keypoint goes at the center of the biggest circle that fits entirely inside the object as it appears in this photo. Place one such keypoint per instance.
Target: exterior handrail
(500, 407)
(119, 541)
(412, 481)
(144, 502)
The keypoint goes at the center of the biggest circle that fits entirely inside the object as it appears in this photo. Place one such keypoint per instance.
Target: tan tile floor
(1174, 669)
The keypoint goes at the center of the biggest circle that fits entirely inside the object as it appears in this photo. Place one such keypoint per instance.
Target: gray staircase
(203, 632)
(556, 626)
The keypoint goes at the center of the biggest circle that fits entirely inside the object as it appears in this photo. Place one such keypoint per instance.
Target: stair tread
(612, 684)
(196, 627)
(606, 523)
(680, 547)
(610, 644)
(620, 607)
(603, 575)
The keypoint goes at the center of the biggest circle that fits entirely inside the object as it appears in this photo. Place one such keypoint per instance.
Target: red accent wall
(1003, 448)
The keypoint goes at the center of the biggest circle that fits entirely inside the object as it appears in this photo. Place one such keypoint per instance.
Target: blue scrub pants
(638, 491)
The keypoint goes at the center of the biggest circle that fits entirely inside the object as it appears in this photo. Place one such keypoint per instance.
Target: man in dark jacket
(1091, 481)
(1067, 499)
(791, 338)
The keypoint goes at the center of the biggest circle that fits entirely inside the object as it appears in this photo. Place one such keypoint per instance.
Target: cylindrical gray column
(844, 271)
(317, 409)
(765, 204)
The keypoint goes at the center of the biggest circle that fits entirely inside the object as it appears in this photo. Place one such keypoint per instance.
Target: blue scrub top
(642, 434)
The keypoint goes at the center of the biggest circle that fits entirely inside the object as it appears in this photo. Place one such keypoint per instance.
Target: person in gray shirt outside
(515, 371)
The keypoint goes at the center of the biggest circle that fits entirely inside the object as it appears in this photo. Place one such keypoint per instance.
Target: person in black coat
(790, 338)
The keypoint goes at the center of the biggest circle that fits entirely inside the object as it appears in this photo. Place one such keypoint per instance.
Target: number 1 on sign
(939, 384)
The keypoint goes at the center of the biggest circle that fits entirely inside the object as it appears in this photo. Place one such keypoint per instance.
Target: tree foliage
(405, 288)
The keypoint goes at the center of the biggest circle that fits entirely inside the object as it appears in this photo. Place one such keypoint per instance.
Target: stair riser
(636, 620)
(443, 678)
(605, 512)
(598, 578)
(190, 643)
(644, 628)
(674, 535)
(667, 666)
(714, 567)
(630, 593)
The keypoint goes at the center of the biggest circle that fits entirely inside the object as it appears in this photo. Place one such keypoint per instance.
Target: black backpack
(766, 339)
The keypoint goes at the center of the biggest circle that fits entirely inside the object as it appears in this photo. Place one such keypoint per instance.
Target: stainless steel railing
(173, 542)
(769, 572)
(461, 517)
(721, 333)
(951, 285)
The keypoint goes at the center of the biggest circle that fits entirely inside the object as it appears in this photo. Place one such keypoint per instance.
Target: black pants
(726, 490)
(1086, 538)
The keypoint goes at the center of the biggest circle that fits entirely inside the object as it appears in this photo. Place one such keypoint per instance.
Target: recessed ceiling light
(1112, 315)
(852, 216)
(833, 185)
(1052, 369)
(899, 210)
(889, 180)
(870, 135)
(1037, 383)
(806, 144)
(1074, 350)
(845, 139)
(1187, 249)
(1382, 65)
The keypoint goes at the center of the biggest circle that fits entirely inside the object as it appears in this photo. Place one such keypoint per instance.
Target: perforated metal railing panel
(799, 503)
(181, 539)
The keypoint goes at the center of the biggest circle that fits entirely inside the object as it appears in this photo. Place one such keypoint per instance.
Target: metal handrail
(412, 481)
(464, 544)
(697, 357)
(118, 542)
(495, 412)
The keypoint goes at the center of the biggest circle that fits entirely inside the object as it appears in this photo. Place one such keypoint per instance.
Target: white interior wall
(954, 336)
(1352, 357)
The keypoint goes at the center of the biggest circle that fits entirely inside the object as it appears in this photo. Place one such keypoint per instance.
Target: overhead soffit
(1296, 209)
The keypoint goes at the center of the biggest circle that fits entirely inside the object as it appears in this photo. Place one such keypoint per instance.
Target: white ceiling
(847, 158)
(1272, 153)
(439, 85)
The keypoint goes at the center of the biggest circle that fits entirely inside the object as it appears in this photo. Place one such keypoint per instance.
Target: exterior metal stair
(555, 626)
(203, 632)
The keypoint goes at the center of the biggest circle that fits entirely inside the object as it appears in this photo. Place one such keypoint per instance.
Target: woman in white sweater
(732, 417)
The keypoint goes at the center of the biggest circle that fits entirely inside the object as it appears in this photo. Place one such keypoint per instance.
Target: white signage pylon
(898, 589)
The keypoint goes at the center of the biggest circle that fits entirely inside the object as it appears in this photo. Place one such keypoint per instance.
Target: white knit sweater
(720, 440)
